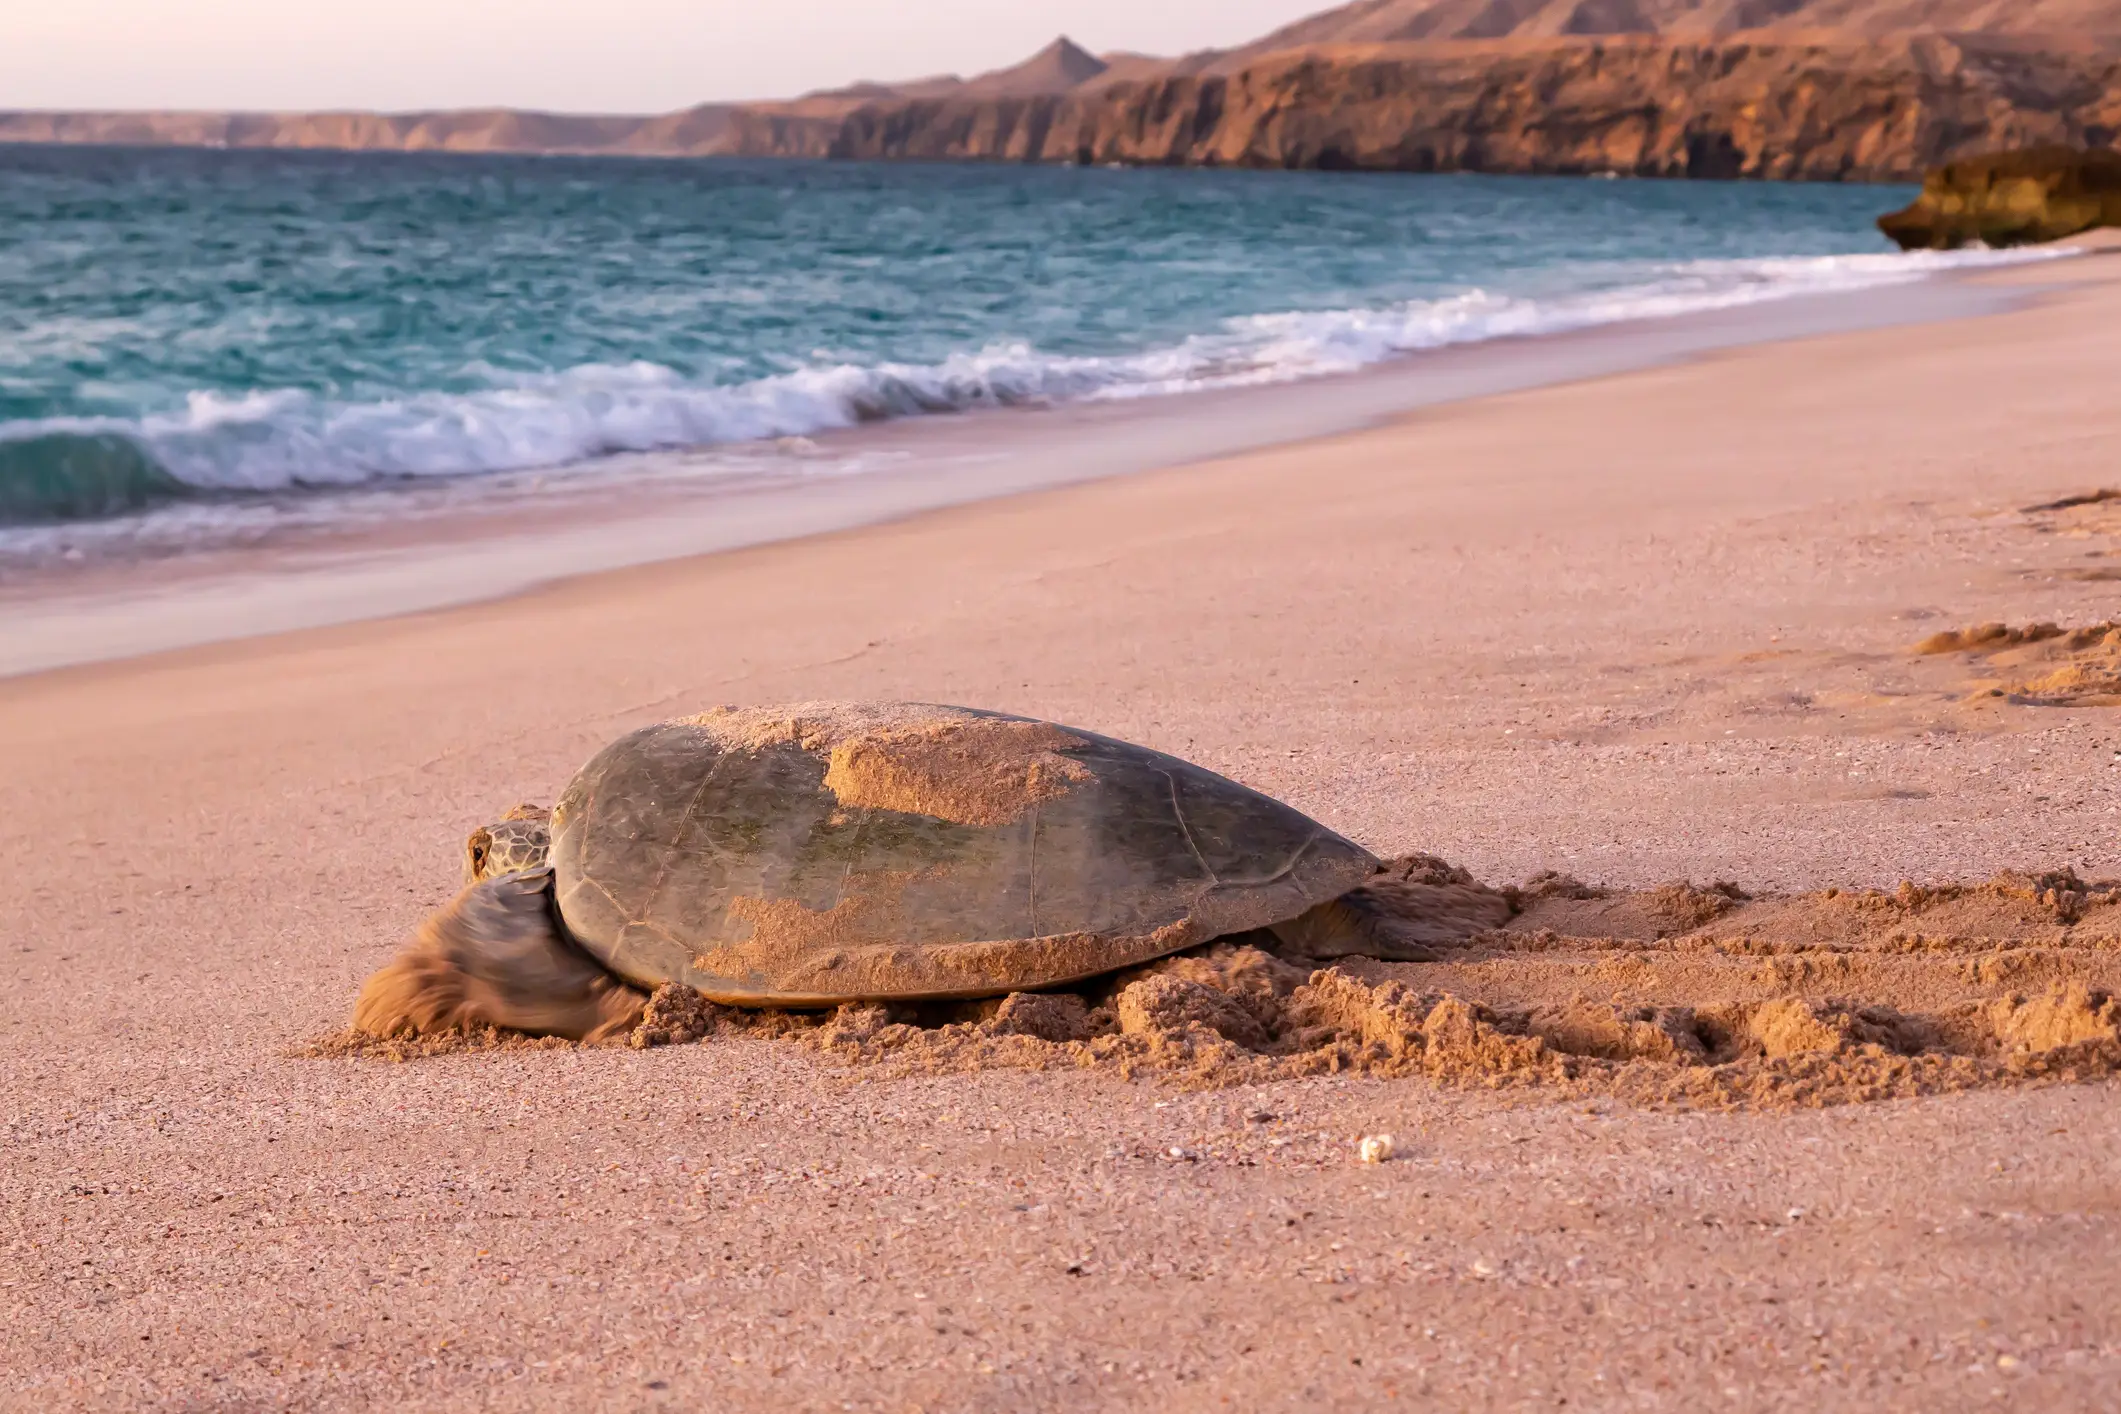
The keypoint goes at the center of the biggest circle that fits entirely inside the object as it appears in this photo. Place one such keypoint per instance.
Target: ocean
(197, 340)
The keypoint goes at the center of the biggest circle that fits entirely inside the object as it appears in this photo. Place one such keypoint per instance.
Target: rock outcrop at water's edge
(2011, 198)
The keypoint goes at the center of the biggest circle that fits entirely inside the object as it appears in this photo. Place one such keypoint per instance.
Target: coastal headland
(1832, 90)
(1719, 619)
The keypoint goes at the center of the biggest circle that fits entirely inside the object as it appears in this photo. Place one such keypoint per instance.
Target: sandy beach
(1635, 629)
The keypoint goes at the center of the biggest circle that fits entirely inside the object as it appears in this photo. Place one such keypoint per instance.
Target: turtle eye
(477, 851)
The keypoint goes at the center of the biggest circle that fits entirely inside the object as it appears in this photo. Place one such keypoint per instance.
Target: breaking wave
(60, 470)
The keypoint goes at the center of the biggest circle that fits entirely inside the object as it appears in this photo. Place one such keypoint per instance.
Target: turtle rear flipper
(494, 957)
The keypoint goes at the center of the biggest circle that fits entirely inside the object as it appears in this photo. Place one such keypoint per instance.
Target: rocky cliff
(1773, 106)
(1811, 89)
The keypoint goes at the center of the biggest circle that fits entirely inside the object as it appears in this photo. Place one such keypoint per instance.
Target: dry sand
(1650, 628)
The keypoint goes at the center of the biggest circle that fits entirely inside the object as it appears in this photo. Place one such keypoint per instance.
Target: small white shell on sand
(1374, 1148)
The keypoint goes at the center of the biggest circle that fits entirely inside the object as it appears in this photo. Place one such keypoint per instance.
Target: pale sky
(621, 56)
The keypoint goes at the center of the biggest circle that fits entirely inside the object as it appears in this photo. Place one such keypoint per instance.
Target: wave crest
(72, 469)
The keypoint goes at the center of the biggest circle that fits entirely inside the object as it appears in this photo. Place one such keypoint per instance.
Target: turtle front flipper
(495, 957)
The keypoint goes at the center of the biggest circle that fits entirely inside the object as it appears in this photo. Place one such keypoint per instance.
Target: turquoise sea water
(225, 328)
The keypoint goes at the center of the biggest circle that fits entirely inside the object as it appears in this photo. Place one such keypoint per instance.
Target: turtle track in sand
(1682, 996)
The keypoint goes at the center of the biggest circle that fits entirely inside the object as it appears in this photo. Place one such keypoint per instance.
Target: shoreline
(114, 612)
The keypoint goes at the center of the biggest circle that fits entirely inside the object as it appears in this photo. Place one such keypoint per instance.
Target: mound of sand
(1678, 995)
(2041, 665)
(1235, 1015)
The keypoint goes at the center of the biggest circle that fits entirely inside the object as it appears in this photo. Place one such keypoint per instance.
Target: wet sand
(1651, 627)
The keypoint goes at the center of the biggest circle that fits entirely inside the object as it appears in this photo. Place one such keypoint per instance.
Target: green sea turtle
(807, 856)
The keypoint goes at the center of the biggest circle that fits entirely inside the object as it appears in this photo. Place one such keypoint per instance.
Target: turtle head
(519, 840)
